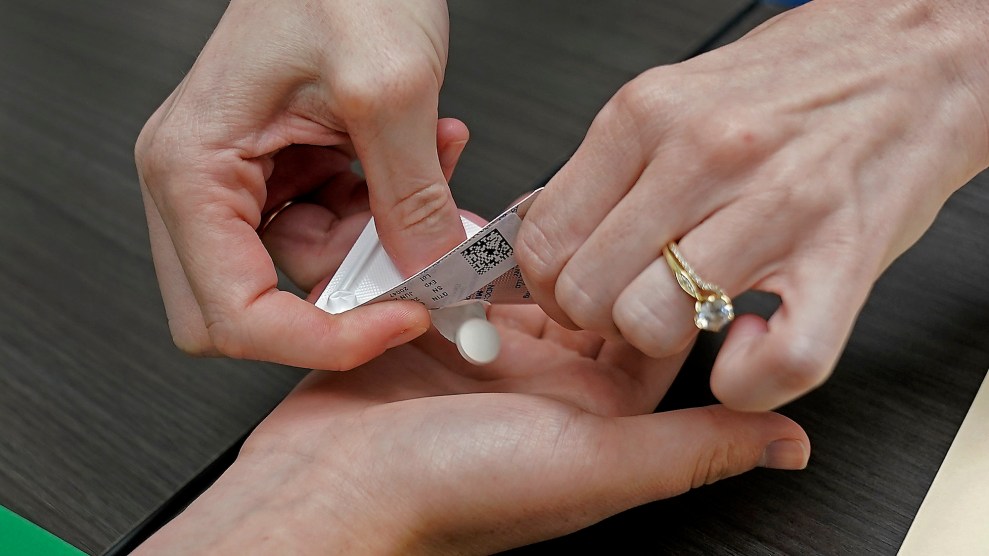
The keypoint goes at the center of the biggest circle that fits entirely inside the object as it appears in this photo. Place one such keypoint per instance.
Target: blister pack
(479, 271)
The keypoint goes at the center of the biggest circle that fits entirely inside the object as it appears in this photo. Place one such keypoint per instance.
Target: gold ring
(269, 216)
(713, 308)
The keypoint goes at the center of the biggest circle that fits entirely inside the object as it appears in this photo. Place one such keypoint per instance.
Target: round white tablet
(478, 341)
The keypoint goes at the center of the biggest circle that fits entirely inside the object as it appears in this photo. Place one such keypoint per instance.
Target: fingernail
(405, 337)
(790, 455)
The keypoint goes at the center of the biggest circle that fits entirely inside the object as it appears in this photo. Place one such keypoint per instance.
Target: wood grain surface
(528, 78)
(101, 419)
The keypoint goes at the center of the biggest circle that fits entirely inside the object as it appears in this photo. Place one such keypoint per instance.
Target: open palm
(554, 435)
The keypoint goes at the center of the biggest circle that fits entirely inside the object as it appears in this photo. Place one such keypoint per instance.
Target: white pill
(478, 341)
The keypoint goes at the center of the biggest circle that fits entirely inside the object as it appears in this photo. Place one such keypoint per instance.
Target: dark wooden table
(102, 421)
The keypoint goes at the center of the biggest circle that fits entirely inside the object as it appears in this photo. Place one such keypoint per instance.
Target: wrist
(954, 36)
(278, 503)
(929, 56)
(966, 26)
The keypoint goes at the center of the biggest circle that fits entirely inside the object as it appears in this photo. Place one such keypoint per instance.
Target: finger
(763, 365)
(602, 466)
(344, 195)
(309, 241)
(656, 456)
(654, 375)
(299, 169)
(660, 207)
(451, 139)
(235, 283)
(185, 319)
(602, 378)
(654, 314)
(416, 218)
(527, 319)
(319, 340)
(617, 381)
(268, 329)
(584, 342)
(574, 202)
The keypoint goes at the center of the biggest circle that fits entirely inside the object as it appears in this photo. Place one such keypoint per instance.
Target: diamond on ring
(713, 309)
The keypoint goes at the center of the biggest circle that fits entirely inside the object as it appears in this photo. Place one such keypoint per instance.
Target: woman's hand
(419, 451)
(800, 160)
(247, 129)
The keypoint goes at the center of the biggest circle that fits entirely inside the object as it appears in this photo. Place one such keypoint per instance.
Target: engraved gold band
(713, 308)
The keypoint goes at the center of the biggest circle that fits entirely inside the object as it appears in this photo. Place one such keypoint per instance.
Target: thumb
(656, 456)
(414, 212)
(603, 466)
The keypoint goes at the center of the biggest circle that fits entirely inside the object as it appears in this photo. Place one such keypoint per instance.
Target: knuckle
(361, 94)
(142, 145)
(538, 256)
(639, 99)
(582, 306)
(639, 324)
(145, 139)
(720, 459)
(189, 334)
(801, 364)
(718, 462)
(156, 153)
(732, 138)
(427, 209)
(191, 343)
(226, 339)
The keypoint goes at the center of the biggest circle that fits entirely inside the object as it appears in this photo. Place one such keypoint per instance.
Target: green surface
(19, 536)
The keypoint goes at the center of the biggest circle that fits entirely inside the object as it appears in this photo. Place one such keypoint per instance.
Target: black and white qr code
(488, 252)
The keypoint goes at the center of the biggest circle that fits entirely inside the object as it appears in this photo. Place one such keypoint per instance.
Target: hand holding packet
(479, 271)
